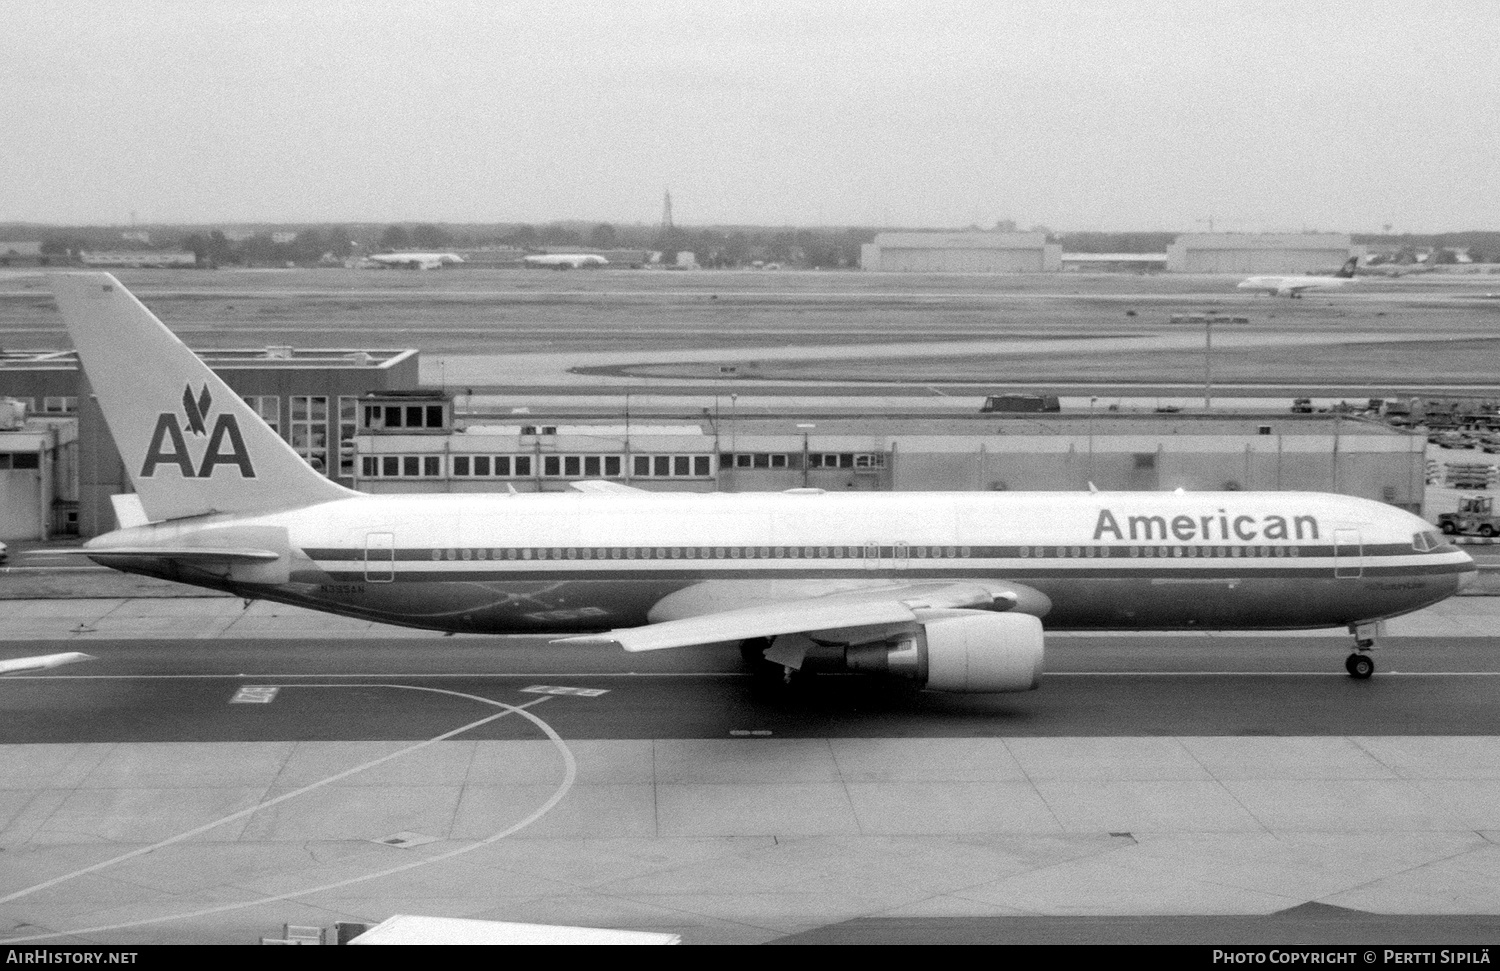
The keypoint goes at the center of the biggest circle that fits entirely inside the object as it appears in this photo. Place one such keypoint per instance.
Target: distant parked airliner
(414, 261)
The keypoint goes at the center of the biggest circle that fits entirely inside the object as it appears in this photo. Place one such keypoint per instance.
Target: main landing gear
(1360, 664)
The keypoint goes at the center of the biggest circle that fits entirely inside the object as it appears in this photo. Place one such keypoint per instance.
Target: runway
(360, 771)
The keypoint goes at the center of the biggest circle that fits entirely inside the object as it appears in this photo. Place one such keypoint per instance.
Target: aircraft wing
(693, 619)
(602, 488)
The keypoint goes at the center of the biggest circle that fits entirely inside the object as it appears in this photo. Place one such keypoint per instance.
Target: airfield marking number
(255, 694)
(553, 689)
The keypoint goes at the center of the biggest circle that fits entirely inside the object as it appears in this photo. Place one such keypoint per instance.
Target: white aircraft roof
(413, 929)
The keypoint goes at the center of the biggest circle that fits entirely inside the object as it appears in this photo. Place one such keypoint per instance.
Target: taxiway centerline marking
(569, 775)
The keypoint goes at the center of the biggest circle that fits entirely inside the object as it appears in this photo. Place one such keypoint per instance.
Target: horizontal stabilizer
(128, 510)
(191, 554)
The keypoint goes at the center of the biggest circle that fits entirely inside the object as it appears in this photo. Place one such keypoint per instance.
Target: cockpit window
(1426, 542)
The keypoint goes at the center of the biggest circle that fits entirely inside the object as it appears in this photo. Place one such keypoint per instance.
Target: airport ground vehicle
(1021, 403)
(1475, 516)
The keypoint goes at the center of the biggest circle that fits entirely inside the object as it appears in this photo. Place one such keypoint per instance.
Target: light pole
(806, 428)
(1208, 349)
(734, 424)
(1093, 400)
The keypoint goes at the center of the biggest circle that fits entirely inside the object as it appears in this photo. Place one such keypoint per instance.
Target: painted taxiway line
(570, 774)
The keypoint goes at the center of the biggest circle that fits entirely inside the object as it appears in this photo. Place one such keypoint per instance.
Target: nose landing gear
(1360, 666)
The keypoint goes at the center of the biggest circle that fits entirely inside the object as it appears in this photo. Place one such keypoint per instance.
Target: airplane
(42, 662)
(564, 261)
(1295, 286)
(413, 261)
(950, 591)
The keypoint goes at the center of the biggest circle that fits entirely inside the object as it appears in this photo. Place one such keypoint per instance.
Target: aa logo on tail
(169, 444)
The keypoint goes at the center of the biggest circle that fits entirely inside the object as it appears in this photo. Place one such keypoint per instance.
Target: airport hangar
(980, 251)
(359, 416)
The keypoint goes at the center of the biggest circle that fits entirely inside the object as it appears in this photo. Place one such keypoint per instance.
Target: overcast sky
(1075, 115)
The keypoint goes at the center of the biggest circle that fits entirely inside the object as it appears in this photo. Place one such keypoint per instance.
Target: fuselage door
(1348, 554)
(380, 557)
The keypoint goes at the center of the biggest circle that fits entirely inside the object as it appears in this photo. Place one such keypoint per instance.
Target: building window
(20, 460)
(310, 429)
(268, 407)
(405, 416)
(63, 405)
(846, 460)
(665, 466)
(348, 426)
(401, 466)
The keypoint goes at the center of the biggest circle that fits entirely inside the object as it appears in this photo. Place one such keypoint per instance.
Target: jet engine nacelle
(960, 650)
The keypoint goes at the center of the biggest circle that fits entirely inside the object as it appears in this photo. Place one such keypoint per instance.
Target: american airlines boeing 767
(949, 590)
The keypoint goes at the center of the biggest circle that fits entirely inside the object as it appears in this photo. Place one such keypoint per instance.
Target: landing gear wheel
(1359, 666)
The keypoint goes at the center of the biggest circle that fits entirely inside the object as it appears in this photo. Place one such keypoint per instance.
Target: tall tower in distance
(666, 212)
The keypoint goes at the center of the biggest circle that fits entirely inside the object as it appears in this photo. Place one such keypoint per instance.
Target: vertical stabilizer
(190, 444)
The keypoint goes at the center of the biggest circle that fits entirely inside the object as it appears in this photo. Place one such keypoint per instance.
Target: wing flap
(769, 620)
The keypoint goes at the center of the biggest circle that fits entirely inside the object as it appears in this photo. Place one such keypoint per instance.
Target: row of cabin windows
(899, 552)
(547, 466)
(1206, 552)
(687, 553)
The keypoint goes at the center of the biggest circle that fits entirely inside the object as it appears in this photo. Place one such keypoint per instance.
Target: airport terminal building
(1052, 452)
(1291, 253)
(964, 252)
(978, 251)
(359, 417)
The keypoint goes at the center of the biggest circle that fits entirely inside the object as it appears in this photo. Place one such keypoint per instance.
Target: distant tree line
(712, 246)
(717, 246)
(1482, 246)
